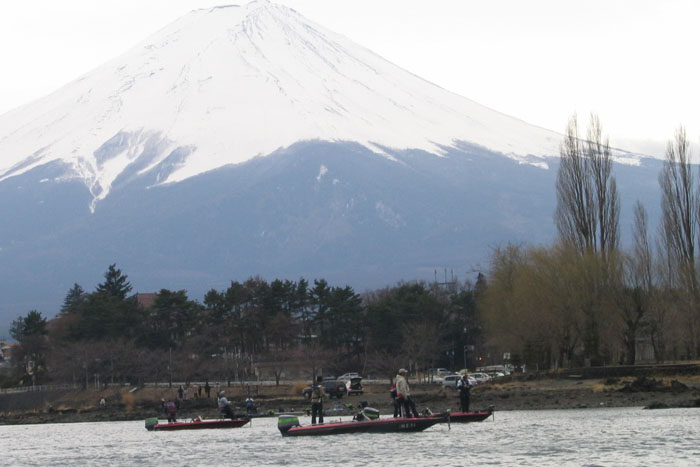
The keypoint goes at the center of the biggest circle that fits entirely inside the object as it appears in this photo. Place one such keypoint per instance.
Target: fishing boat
(153, 424)
(367, 421)
(465, 417)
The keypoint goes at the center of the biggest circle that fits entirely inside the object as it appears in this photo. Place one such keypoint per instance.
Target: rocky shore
(525, 393)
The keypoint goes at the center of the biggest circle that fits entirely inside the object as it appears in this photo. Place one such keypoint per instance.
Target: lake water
(594, 437)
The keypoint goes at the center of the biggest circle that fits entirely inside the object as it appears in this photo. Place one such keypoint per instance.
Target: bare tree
(587, 218)
(575, 213)
(679, 207)
(427, 347)
(606, 199)
(587, 214)
(635, 296)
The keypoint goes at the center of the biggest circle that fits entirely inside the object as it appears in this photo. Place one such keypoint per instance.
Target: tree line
(251, 329)
(584, 300)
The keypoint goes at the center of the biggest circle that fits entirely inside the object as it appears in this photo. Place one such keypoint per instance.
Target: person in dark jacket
(396, 402)
(317, 395)
(464, 387)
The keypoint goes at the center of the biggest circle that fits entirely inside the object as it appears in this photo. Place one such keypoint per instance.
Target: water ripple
(593, 437)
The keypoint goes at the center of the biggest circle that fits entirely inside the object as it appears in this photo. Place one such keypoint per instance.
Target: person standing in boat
(317, 395)
(465, 392)
(403, 394)
(395, 402)
(225, 406)
(170, 409)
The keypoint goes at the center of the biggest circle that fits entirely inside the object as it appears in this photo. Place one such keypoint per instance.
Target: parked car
(441, 372)
(349, 376)
(354, 385)
(334, 388)
(481, 377)
(450, 381)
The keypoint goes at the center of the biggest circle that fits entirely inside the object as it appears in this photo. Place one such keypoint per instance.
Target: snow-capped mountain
(366, 173)
(223, 85)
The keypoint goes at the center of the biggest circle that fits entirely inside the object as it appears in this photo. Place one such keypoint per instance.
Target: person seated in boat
(170, 409)
(464, 387)
(317, 395)
(225, 406)
(403, 394)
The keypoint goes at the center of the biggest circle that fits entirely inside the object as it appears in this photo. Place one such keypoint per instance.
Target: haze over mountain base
(315, 210)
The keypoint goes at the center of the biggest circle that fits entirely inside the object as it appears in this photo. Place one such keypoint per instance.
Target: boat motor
(151, 422)
(367, 413)
(285, 422)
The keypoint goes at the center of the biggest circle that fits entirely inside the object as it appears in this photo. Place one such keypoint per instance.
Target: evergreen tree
(74, 297)
(31, 325)
(115, 284)
(30, 356)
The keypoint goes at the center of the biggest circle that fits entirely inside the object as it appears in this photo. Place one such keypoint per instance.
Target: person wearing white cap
(403, 394)
(225, 406)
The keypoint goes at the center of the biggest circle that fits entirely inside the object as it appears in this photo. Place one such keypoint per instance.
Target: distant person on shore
(317, 395)
(403, 394)
(465, 391)
(180, 392)
(225, 406)
(207, 389)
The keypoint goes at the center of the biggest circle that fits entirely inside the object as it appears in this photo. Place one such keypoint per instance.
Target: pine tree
(115, 284)
(74, 297)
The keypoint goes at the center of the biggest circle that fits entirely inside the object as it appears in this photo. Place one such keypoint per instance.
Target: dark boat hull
(384, 425)
(201, 425)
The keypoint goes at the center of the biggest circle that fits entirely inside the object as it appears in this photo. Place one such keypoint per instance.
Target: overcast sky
(633, 62)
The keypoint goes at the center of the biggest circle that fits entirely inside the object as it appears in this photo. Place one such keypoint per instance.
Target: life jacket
(170, 407)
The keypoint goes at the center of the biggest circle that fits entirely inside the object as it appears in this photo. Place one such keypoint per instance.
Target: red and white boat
(153, 424)
(368, 423)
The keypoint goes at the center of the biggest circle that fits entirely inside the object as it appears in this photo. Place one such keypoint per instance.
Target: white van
(450, 381)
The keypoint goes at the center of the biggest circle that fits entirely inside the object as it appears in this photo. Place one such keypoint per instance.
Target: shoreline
(123, 404)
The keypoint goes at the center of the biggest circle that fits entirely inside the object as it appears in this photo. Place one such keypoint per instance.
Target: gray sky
(633, 62)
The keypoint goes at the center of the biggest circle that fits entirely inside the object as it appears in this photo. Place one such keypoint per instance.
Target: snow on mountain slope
(223, 85)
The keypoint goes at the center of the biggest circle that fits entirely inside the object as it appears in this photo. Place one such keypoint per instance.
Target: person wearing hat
(225, 406)
(403, 394)
(464, 387)
(317, 394)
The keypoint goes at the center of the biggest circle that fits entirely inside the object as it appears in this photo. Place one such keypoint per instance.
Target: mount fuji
(247, 140)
